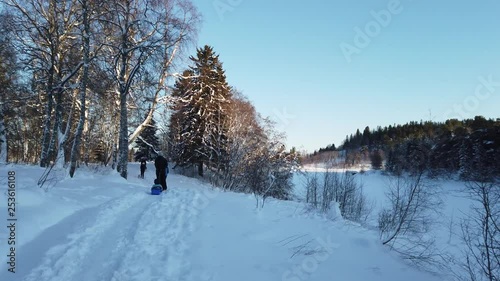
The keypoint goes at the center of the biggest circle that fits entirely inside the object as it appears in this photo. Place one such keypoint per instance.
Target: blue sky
(406, 60)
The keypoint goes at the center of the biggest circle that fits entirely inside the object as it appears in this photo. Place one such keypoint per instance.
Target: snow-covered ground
(454, 208)
(98, 226)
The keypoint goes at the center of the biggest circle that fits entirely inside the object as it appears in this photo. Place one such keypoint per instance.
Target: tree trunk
(46, 128)
(56, 129)
(63, 137)
(75, 149)
(3, 137)
(123, 137)
(200, 169)
(114, 157)
(123, 91)
(125, 76)
(46, 140)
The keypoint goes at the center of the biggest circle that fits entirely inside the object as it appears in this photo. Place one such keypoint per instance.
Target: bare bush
(481, 233)
(405, 225)
(312, 186)
(349, 194)
(341, 188)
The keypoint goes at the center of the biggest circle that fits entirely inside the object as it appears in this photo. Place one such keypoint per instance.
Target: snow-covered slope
(101, 227)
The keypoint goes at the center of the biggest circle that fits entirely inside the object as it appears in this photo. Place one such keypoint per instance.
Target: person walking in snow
(161, 165)
(143, 167)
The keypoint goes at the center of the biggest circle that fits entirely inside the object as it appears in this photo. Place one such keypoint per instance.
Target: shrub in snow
(406, 223)
(333, 212)
(339, 191)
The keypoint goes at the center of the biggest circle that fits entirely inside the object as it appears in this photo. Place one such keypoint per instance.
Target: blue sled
(155, 191)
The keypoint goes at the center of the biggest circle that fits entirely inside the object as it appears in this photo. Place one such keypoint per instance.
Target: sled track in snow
(158, 250)
(98, 240)
(134, 237)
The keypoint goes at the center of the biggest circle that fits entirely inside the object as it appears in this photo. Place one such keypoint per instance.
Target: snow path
(136, 236)
(92, 246)
(164, 227)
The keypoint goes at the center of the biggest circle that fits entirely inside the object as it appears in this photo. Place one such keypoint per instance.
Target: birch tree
(44, 31)
(8, 80)
(244, 137)
(180, 21)
(138, 30)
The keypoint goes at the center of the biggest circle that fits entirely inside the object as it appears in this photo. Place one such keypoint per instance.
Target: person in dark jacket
(161, 165)
(143, 167)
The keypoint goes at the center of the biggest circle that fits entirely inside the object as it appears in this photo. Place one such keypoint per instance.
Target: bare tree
(8, 80)
(139, 30)
(348, 192)
(179, 21)
(243, 134)
(272, 166)
(481, 233)
(44, 32)
(312, 186)
(86, 33)
(341, 188)
(404, 225)
(61, 45)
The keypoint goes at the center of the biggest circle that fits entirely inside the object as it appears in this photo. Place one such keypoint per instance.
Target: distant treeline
(469, 147)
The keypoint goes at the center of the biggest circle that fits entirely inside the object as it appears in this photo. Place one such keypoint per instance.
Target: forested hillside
(470, 147)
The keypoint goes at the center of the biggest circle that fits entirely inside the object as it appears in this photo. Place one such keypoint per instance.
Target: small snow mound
(334, 212)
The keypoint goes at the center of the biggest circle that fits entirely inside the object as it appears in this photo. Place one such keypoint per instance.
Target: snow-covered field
(454, 208)
(98, 226)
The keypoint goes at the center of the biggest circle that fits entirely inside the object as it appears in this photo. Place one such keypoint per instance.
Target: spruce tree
(99, 153)
(201, 109)
(376, 159)
(182, 126)
(366, 138)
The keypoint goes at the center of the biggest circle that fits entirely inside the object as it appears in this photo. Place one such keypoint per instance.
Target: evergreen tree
(99, 153)
(366, 138)
(376, 159)
(465, 155)
(201, 112)
(358, 139)
(147, 143)
(182, 132)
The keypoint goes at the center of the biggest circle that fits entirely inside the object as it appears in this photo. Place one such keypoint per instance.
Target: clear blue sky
(423, 62)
